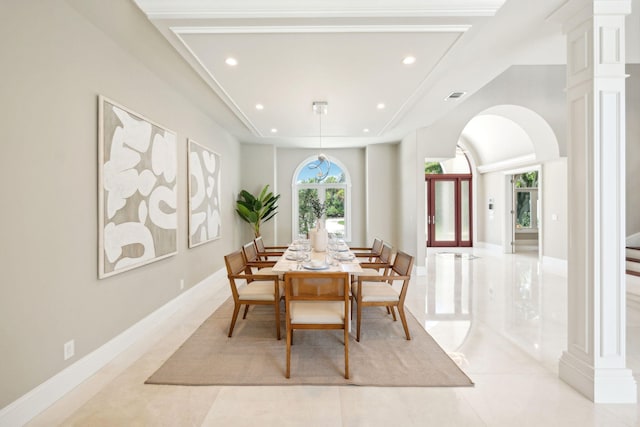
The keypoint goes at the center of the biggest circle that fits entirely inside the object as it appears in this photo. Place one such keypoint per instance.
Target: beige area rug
(253, 356)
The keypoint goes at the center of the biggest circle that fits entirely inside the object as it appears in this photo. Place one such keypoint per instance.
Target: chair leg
(234, 316)
(246, 310)
(359, 320)
(393, 312)
(403, 317)
(346, 352)
(289, 338)
(277, 308)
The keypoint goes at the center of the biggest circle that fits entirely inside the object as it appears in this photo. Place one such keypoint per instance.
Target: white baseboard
(602, 385)
(40, 398)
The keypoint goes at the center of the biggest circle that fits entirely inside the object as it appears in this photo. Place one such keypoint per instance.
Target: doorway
(448, 200)
(525, 211)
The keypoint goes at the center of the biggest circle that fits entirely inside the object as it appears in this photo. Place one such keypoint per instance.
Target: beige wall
(374, 190)
(353, 159)
(383, 193)
(57, 56)
(257, 169)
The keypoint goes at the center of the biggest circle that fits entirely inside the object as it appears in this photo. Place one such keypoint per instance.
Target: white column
(594, 362)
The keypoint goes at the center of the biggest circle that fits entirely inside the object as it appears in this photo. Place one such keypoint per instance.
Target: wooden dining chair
(253, 260)
(267, 253)
(378, 290)
(252, 289)
(372, 252)
(379, 266)
(317, 300)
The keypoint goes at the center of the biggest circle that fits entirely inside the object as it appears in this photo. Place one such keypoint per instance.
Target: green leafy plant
(318, 208)
(256, 210)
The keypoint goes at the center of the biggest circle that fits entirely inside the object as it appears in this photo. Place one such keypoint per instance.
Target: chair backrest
(317, 286)
(403, 264)
(376, 248)
(260, 244)
(235, 263)
(385, 253)
(250, 252)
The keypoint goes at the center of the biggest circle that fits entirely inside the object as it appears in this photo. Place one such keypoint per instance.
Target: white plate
(342, 248)
(345, 256)
(295, 248)
(310, 266)
(291, 257)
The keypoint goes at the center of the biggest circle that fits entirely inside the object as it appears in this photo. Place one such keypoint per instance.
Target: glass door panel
(444, 218)
(465, 211)
(448, 205)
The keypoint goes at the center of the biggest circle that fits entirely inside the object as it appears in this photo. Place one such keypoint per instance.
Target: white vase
(319, 237)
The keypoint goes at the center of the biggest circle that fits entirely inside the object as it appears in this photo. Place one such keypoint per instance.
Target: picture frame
(137, 190)
(205, 215)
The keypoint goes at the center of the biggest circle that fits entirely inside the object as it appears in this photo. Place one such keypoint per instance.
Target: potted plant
(318, 210)
(257, 209)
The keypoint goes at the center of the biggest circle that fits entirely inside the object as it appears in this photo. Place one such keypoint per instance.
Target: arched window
(334, 191)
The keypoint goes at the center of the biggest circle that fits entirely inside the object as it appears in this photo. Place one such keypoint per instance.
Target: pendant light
(322, 164)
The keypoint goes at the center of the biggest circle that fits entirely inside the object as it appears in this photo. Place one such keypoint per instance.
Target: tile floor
(501, 317)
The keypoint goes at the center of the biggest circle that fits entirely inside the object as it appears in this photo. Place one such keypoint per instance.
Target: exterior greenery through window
(526, 191)
(433, 167)
(332, 191)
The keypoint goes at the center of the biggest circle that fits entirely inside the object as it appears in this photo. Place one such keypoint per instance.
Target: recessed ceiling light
(231, 61)
(365, 130)
(408, 60)
(381, 106)
(274, 130)
(259, 107)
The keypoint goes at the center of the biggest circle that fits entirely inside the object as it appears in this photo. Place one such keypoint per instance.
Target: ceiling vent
(455, 95)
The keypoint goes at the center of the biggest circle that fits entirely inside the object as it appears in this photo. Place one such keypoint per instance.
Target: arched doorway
(506, 143)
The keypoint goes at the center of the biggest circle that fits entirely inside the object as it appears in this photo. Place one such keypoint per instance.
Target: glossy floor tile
(501, 317)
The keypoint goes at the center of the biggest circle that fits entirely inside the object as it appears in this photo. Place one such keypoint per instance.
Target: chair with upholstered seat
(379, 290)
(317, 300)
(252, 289)
(267, 253)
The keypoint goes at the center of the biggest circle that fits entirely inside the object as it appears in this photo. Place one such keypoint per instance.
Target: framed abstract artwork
(137, 190)
(204, 194)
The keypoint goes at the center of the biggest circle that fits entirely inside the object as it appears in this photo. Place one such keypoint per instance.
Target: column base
(604, 385)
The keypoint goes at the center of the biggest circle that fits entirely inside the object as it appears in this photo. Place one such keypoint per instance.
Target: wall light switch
(554, 217)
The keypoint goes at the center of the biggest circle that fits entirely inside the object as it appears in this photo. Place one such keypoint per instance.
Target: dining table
(300, 256)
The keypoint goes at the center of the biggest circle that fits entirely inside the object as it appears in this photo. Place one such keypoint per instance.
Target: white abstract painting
(137, 190)
(204, 195)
